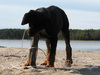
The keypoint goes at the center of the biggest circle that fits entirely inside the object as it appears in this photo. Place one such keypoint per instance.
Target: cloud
(82, 14)
(83, 19)
(88, 5)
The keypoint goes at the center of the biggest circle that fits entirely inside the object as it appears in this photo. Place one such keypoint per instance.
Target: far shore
(44, 40)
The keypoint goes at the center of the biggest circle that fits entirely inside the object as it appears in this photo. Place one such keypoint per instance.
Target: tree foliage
(89, 34)
(75, 34)
(12, 34)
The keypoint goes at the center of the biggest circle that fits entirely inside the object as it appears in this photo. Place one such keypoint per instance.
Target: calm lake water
(76, 45)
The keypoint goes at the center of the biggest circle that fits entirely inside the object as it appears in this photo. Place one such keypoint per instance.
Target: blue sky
(82, 14)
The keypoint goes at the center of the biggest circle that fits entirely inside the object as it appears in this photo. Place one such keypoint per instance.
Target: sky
(82, 14)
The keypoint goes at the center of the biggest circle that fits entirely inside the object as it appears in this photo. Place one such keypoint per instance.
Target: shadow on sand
(88, 70)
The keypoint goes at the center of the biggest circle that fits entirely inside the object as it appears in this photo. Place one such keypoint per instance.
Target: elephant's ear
(26, 19)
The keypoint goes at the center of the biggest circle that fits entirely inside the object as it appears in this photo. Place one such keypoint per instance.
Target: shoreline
(84, 63)
(56, 50)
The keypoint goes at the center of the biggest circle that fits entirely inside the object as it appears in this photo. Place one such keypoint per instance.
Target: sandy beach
(12, 63)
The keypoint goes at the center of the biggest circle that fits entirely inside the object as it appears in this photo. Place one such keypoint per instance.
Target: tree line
(75, 34)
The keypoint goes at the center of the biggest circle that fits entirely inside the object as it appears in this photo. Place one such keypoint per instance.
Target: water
(76, 45)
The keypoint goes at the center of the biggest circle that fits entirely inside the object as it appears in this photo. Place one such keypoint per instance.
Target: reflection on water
(76, 45)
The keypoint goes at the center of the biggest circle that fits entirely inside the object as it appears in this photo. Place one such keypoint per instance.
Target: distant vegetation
(75, 34)
(85, 34)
